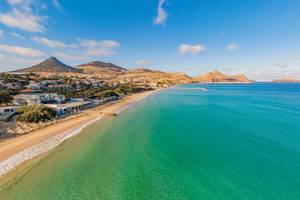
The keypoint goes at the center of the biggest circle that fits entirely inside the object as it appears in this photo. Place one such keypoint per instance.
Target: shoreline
(16, 151)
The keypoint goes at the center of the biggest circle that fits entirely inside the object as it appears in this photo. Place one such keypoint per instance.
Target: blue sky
(257, 37)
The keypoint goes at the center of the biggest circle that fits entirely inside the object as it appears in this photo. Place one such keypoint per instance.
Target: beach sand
(15, 151)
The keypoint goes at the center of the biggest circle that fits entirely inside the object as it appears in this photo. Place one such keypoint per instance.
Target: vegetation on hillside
(126, 89)
(93, 93)
(105, 94)
(17, 78)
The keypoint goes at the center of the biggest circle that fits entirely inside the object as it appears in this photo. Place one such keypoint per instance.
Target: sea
(227, 142)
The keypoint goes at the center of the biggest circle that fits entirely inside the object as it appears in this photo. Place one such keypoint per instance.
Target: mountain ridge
(111, 71)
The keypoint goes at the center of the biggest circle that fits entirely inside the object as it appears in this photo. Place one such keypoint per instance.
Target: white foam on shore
(40, 148)
(49, 144)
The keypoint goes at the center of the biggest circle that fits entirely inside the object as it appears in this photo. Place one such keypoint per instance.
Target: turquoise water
(231, 142)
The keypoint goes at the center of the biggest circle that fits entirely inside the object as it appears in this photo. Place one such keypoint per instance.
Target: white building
(35, 85)
(31, 99)
(13, 86)
(73, 106)
(51, 82)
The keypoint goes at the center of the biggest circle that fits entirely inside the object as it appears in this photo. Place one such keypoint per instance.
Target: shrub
(124, 90)
(35, 113)
(102, 95)
(5, 97)
(128, 89)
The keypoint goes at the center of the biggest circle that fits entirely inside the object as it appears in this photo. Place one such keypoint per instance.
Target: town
(38, 96)
(29, 101)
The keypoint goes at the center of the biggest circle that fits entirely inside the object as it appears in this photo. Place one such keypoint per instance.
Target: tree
(35, 113)
(5, 97)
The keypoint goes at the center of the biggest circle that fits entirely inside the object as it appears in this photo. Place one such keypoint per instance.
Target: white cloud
(191, 49)
(143, 63)
(22, 17)
(162, 15)
(16, 35)
(27, 5)
(72, 57)
(100, 43)
(99, 52)
(56, 4)
(16, 2)
(1, 33)
(99, 48)
(23, 51)
(52, 43)
(24, 21)
(232, 47)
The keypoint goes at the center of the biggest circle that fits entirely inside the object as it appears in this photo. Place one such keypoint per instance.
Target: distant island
(218, 77)
(286, 80)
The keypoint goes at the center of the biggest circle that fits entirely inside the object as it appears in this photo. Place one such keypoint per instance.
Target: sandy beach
(16, 151)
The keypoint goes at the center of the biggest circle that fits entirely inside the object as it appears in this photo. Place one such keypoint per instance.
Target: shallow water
(230, 142)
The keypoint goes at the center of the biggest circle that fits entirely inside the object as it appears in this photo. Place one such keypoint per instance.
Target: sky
(260, 38)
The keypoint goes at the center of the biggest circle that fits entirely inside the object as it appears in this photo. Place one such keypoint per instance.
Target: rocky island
(286, 80)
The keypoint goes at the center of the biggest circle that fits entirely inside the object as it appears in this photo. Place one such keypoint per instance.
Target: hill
(99, 66)
(101, 69)
(51, 65)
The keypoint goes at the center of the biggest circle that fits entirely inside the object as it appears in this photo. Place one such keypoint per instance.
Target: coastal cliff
(218, 77)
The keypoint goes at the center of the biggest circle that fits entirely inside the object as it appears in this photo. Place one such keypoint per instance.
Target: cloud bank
(22, 17)
(52, 43)
(99, 48)
(23, 51)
